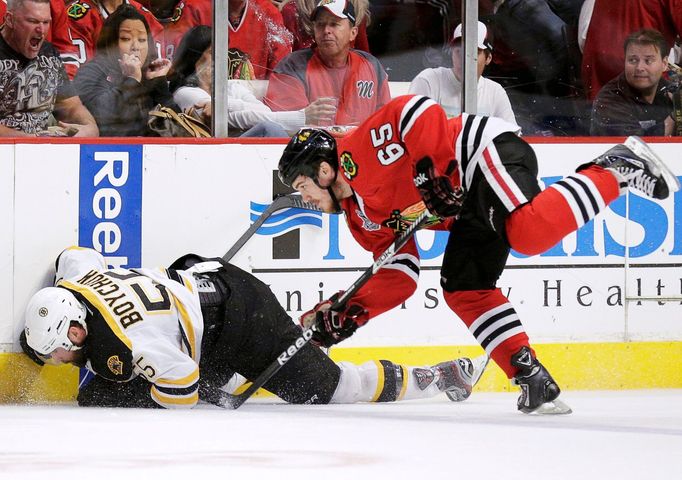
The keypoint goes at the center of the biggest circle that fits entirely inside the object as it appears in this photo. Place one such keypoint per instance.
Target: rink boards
(601, 314)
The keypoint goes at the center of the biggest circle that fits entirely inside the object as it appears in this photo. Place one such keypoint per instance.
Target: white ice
(611, 435)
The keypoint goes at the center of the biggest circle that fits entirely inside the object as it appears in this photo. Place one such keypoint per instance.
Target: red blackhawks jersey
(377, 160)
(302, 77)
(186, 15)
(86, 18)
(58, 35)
(262, 36)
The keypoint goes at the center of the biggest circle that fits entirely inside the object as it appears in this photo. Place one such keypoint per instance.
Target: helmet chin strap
(335, 200)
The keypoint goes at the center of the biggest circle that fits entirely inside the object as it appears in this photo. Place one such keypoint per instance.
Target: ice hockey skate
(539, 391)
(457, 377)
(640, 168)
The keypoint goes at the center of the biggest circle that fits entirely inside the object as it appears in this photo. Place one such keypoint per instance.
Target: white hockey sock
(383, 381)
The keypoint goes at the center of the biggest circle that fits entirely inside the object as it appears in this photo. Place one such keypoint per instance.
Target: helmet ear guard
(304, 153)
(48, 317)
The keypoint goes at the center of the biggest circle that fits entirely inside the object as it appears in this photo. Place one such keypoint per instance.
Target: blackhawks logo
(396, 222)
(350, 168)
(77, 10)
(303, 135)
(115, 365)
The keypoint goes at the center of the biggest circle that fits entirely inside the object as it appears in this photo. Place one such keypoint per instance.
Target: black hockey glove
(437, 191)
(331, 327)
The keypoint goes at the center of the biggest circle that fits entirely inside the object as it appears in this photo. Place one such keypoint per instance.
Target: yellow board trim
(576, 366)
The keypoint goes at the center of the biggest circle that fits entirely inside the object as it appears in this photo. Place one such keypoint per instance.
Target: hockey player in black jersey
(170, 337)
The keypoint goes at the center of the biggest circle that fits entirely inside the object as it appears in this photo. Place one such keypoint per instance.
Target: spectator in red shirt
(345, 85)
(177, 17)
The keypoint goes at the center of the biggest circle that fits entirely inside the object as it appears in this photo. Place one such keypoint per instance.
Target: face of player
(314, 194)
(60, 355)
(27, 27)
(333, 36)
(132, 39)
(644, 67)
(484, 58)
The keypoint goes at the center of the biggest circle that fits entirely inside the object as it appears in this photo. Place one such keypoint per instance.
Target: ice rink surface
(611, 435)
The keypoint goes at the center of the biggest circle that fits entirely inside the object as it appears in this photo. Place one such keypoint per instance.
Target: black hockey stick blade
(230, 401)
(280, 203)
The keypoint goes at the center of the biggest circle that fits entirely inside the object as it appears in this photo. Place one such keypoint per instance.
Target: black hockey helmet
(304, 153)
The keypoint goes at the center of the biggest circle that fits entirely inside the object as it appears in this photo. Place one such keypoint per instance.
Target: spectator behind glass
(177, 17)
(59, 34)
(444, 85)
(33, 83)
(86, 18)
(296, 15)
(635, 102)
(344, 86)
(258, 31)
(191, 80)
(125, 80)
(604, 25)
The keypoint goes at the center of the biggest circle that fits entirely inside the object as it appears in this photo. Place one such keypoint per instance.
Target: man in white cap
(344, 85)
(444, 85)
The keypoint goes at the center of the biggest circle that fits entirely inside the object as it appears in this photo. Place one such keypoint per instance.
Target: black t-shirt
(620, 110)
(29, 88)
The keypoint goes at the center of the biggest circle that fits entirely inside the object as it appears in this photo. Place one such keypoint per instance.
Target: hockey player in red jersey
(479, 179)
(86, 18)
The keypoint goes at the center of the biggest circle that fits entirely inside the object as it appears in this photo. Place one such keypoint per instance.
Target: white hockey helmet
(48, 316)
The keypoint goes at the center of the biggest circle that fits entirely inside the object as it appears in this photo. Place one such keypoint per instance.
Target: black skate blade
(555, 407)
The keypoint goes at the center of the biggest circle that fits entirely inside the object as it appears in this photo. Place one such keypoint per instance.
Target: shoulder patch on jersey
(350, 168)
(115, 365)
(77, 10)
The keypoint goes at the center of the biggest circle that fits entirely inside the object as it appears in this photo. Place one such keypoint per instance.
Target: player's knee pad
(374, 381)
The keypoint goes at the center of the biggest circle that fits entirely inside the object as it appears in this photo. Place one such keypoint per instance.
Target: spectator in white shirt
(444, 85)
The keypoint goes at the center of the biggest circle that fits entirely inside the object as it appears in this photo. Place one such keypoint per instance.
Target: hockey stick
(235, 401)
(280, 203)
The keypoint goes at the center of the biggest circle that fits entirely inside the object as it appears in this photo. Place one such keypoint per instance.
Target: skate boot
(539, 391)
(638, 167)
(457, 377)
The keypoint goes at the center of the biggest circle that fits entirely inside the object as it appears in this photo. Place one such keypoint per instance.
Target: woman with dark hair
(191, 81)
(125, 80)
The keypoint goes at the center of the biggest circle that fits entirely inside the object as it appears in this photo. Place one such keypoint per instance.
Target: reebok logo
(420, 180)
(424, 377)
(284, 357)
(525, 358)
